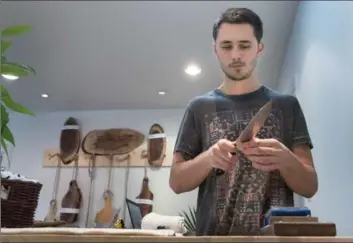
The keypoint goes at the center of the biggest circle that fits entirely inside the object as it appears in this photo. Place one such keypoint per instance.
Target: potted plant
(14, 70)
(189, 220)
(24, 194)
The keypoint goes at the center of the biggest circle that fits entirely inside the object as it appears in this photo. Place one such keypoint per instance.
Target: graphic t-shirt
(235, 202)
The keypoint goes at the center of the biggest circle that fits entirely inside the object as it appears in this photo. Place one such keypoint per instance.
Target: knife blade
(252, 128)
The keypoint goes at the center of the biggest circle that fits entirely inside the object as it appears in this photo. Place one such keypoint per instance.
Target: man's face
(237, 50)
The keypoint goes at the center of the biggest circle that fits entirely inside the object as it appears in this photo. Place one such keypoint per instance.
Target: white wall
(33, 134)
(319, 64)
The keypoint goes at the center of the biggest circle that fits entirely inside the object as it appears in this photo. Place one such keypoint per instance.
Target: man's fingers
(225, 164)
(257, 142)
(263, 167)
(226, 156)
(249, 151)
(227, 145)
(262, 159)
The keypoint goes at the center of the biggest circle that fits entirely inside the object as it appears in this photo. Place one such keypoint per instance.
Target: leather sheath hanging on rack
(72, 201)
(145, 198)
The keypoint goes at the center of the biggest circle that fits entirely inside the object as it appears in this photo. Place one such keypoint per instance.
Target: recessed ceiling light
(45, 95)
(161, 93)
(192, 70)
(9, 77)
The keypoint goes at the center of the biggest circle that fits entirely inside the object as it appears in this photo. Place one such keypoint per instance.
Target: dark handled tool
(252, 128)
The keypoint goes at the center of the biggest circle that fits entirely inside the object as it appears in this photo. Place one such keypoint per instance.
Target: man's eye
(244, 46)
(227, 47)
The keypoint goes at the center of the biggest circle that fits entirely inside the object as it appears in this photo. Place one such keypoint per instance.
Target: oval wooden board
(112, 141)
(102, 161)
(70, 140)
(160, 141)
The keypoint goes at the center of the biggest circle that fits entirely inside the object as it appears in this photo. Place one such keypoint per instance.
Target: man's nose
(236, 54)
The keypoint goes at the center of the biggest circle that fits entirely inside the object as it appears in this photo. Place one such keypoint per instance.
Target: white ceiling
(118, 55)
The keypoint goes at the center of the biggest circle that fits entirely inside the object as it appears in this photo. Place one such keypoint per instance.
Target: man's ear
(214, 49)
(260, 50)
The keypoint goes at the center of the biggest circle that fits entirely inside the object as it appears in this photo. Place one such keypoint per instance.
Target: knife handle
(220, 172)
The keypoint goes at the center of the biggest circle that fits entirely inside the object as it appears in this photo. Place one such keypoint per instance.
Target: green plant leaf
(188, 223)
(13, 70)
(189, 219)
(7, 135)
(15, 30)
(4, 146)
(5, 45)
(3, 59)
(188, 227)
(4, 121)
(192, 215)
(4, 116)
(11, 104)
(22, 66)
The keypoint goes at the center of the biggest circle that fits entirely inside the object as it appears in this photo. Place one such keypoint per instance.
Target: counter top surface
(111, 235)
(120, 238)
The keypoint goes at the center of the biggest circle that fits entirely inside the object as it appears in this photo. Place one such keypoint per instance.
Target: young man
(266, 170)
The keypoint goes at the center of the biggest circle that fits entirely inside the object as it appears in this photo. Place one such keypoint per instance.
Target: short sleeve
(300, 133)
(188, 141)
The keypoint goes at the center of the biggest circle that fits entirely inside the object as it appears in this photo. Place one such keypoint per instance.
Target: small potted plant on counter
(189, 220)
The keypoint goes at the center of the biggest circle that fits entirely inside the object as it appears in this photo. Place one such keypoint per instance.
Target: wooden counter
(109, 238)
(84, 235)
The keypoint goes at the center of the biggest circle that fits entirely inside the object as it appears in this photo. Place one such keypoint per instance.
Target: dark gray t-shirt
(235, 203)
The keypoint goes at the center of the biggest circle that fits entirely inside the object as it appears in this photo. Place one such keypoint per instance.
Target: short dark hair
(240, 16)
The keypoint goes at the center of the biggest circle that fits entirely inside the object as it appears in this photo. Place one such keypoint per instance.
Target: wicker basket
(18, 210)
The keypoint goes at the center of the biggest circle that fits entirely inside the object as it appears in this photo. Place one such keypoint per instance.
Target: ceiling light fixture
(192, 70)
(45, 95)
(161, 93)
(10, 77)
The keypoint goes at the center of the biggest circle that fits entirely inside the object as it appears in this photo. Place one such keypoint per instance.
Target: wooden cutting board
(302, 229)
(274, 219)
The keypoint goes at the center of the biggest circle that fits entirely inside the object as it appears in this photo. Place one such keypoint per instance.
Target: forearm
(301, 178)
(187, 175)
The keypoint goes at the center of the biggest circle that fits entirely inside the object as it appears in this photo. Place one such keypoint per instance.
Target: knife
(252, 128)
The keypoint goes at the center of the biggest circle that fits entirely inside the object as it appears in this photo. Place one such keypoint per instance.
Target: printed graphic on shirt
(242, 194)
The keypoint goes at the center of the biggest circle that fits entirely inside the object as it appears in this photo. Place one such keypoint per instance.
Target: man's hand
(296, 166)
(222, 155)
(267, 154)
